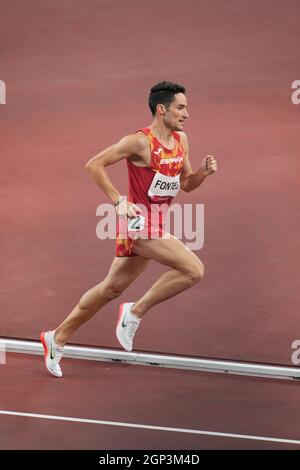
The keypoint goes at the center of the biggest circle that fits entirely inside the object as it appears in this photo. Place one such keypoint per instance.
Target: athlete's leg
(186, 270)
(122, 273)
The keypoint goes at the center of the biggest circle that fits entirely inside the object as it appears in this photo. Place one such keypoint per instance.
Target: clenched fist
(125, 208)
(209, 165)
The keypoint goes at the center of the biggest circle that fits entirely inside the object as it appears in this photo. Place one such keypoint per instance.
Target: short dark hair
(163, 93)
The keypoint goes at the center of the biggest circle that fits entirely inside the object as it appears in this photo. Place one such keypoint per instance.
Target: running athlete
(158, 166)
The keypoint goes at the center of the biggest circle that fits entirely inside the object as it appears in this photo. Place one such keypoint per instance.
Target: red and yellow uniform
(152, 189)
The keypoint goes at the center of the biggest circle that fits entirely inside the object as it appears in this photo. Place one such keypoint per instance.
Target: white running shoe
(53, 353)
(127, 325)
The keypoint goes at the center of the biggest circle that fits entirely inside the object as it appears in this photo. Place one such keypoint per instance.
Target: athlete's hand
(209, 165)
(127, 209)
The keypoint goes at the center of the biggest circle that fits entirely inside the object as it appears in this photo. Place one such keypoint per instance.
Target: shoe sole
(42, 338)
(43, 341)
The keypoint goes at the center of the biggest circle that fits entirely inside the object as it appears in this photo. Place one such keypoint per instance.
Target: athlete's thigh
(124, 270)
(168, 251)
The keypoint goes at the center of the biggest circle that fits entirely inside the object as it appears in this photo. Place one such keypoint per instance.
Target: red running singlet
(152, 189)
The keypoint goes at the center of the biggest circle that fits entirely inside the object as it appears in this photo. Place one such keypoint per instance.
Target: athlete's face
(176, 115)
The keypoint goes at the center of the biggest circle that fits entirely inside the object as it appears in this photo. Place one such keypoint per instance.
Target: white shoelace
(132, 327)
(58, 354)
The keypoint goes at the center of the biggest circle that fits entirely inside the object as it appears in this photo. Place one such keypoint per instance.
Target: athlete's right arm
(131, 145)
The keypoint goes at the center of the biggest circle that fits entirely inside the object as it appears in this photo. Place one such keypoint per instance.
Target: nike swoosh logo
(124, 324)
(51, 353)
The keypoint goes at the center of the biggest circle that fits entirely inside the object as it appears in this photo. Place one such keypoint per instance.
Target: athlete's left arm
(189, 180)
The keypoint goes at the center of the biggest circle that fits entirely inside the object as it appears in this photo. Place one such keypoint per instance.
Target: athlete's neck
(163, 134)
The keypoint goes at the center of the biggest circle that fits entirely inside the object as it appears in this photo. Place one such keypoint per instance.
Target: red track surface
(146, 396)
(78, 74)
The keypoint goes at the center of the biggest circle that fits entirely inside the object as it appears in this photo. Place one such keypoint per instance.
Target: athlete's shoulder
(141, 139)
(133, 145)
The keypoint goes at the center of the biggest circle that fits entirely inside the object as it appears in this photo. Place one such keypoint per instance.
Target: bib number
(137, 224)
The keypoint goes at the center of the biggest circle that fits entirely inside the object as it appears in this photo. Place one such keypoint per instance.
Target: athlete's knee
(110, 290)
(89, 300)
(94, 298)
(196, 272)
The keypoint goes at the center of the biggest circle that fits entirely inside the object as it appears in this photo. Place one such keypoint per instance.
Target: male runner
(158, 166)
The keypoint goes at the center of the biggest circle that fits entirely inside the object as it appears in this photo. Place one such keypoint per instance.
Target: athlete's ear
(161, 110)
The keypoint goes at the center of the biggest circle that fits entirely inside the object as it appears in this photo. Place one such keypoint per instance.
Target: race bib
(136, 224)
(164, 186)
